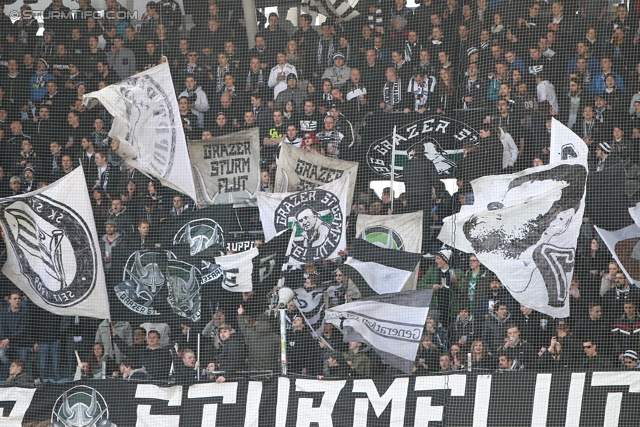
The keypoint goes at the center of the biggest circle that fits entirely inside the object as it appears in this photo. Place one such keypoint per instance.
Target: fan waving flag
(391, 324)
(146, 123)
(376, 270)
(53, 252)
(317, 217)
(624, 245)
(524, 227)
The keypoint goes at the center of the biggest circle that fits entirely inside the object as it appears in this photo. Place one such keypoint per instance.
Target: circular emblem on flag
(383, 237)
(200, 234)
(145, 94)
(81, 405)
(441, 136)
(54, 249)
(317, 222)
(144, 281)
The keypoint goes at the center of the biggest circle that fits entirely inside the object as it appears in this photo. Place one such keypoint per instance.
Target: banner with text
(226, 169)
(558, 399)
(300, 170)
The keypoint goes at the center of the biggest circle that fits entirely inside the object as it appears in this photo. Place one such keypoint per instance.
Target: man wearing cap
(109, 241)
(28, 179)
(603, 152)
(279, 73)
(291, 93)
(339, 74)
(15, 186)
(443, 280)
(38, 81)
(630, 360)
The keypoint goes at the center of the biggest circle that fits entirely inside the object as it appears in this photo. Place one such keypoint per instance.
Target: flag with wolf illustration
(53, 252)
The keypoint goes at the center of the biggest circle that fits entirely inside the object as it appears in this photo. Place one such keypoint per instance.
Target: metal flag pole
(198, 360)
(393, 163)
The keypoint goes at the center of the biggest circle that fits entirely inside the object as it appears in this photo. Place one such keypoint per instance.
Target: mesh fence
(373, 213)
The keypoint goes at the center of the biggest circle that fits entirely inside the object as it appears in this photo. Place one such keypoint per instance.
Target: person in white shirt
(279, 73)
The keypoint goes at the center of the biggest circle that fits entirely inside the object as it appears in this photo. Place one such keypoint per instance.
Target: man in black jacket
(420, 175)
(233, 354)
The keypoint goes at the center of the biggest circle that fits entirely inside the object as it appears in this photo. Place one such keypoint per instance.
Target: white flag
(318, 218)
(392, 324)
(237, 270)
(226, 168)
(53, 252)
(525, 226)
(146, 122)
(624, 245)
(402, 232)
(564, 144)
(300, 170)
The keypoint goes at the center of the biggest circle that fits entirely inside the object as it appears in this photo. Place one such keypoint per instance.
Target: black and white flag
(53, 252)
(146, 123)
(257, 267)
(376, 270)
(300, 170)
(624, 245)
(391, 324)
(226, 169)
(401, 232)
(318, 218)
(310, 302)
(525, 226)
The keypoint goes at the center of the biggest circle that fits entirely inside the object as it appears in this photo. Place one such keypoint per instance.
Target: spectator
(17, 376)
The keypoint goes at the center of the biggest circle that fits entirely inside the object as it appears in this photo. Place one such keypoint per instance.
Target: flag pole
(314, 334)
(198, 368)
(393, 163)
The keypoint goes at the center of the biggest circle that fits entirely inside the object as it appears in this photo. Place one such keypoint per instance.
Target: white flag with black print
(375, 270)
(317, 218)
(564, 144)
(524, 227)
(147, 125)
(391, 324)
(53, 252)
(237, 269)
(401, 232)
(310, 302)
(257, 267)
(624, 245)
(300, 170)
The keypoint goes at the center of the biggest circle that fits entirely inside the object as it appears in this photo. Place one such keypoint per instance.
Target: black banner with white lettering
(559, 399)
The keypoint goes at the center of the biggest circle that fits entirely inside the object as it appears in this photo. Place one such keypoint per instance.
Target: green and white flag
(300, 170)
(317, 217)
(402, 232)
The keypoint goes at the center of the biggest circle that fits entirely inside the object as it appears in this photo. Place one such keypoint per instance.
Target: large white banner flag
(226, 168)
(525, 226)
(147, 124)
(565, 144)
(402, 232)
(300, 170)
(318, 218)
(53, 251)
(391, 324)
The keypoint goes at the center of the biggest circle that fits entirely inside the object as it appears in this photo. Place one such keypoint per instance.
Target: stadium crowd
(504, 67)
